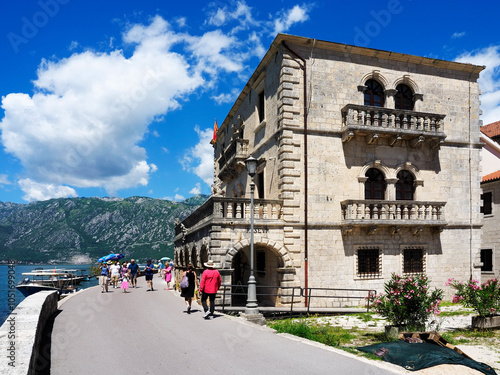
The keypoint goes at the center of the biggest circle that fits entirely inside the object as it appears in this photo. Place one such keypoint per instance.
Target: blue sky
(119, 97)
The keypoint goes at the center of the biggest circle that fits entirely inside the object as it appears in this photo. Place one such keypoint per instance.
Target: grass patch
(325, 334)
(365, 317)
(454, 313)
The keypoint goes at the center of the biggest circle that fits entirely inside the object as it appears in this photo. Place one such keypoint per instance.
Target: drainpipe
(306, 266)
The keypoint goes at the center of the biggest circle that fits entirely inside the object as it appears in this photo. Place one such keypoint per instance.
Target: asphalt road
(148, 332)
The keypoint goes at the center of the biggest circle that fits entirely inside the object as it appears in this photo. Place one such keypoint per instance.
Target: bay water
(17, 271)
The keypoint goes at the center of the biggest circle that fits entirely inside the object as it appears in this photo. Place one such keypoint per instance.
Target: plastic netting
(422, 355)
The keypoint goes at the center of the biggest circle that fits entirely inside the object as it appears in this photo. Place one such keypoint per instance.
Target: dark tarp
(418, 356)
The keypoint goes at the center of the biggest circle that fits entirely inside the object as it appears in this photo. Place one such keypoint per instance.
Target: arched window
(374, 94)
(404, 97)
(405, 187)
(375, 185)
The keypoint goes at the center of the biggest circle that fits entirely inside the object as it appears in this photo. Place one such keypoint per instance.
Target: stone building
(490, 163)
(368, 165)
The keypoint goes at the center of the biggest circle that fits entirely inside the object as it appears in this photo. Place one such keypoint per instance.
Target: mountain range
(81, 230)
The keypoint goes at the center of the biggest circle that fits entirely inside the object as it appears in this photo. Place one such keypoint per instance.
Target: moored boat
(35, 281)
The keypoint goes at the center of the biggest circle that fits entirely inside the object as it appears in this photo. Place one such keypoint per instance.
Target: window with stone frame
(374, 94)
(375, 185)
(487, 260)
(405, 186)
(404, 97)
(413, 260)
(369, 262)
(487, 199)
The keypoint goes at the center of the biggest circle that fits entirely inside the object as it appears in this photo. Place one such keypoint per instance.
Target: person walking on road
(209, 285)
(133, 268)
(168, 275)
(188, 293)
(125, 277)
(148, 272)
(115, 273)
(103, 279)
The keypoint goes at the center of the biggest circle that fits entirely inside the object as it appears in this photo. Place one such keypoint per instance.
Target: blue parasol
(110, 257)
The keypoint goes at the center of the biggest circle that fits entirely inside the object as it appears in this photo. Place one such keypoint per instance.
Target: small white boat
(35, 281)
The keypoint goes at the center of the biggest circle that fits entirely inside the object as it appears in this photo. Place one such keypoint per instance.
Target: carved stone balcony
(231, 211)
(232, 161)
(395, 214)
(396, 125)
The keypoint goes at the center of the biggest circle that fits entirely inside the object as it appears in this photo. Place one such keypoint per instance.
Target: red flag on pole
(214, 138)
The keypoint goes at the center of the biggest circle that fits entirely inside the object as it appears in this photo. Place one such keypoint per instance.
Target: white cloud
(196, 190)
(457, 35)
(4, 180)
(242, 12)
(489, 80)
(83, 124)
(39, 192)
(226, 98)
(289, 17)
(179, 197)
(200, 158)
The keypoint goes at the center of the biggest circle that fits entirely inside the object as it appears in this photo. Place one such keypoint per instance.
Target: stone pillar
(390, 101)
(417, 101)
(390, 192)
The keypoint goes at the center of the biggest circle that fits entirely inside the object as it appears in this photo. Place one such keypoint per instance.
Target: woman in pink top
(209, 285)
(168, 276)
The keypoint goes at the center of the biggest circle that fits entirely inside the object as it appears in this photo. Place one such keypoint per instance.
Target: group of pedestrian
(114, 272)
(209, 285)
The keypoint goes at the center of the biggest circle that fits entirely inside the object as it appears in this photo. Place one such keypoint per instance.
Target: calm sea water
(19, 269)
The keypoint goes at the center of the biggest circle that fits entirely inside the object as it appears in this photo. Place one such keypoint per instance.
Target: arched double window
(375, 184)
(374, 94)
(404, 97)
(405, 187)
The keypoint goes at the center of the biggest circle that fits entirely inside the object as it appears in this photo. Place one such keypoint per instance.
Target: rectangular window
(486, 208)
(487, 260)
(413, 261)
(368, 262)
(261, 106)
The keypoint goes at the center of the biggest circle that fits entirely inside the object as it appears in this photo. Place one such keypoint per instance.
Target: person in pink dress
(125, 276)
(168, 276)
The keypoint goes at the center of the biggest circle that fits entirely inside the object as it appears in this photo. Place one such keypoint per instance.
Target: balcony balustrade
(234, 210)
(232, 160)
(395, 124)
(392, 213)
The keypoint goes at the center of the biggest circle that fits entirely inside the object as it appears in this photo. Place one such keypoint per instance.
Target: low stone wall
(21, 333)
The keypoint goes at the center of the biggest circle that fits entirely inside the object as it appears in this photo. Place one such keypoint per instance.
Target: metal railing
(308, 293)
(294, 292)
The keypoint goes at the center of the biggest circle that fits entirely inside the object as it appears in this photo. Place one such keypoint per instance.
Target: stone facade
(490, 165)
(319, 222)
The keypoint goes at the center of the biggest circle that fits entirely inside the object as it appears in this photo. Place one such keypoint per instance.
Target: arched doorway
(266, 265)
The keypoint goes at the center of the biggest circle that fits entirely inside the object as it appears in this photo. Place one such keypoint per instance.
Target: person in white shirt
(115, 273)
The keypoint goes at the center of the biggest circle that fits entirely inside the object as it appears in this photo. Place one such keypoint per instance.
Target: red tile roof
(491, 130)
(492, 177)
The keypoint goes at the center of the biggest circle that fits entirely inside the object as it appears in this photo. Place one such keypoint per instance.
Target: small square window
(413, 261)
(369, 262)
(487, 260)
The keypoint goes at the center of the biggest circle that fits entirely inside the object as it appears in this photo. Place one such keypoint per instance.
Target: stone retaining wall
(21, 333)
